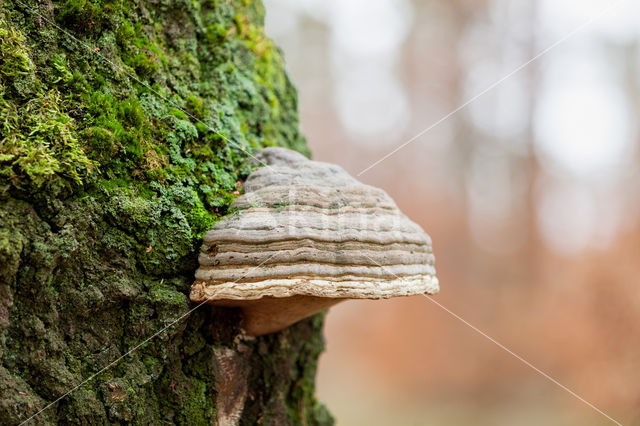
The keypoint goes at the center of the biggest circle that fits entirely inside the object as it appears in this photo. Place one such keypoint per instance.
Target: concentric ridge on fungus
(305, 236)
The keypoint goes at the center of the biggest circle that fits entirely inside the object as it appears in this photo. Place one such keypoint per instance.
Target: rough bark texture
(121, 144)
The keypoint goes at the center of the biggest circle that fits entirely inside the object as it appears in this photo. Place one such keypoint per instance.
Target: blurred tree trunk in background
(124, 131)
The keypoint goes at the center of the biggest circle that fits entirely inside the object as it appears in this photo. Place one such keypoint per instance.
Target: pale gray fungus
(306, 235)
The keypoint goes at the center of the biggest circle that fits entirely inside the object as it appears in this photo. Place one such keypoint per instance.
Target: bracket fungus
(306, 235)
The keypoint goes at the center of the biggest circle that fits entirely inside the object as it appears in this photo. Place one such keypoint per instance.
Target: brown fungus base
(272, 314)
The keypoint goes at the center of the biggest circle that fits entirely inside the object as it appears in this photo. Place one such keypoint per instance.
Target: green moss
(197, 407)
(199, 219)
(166, 295)
(40, 141)
(61, 68)
(79, 13)
(196, 107)
(16, 66)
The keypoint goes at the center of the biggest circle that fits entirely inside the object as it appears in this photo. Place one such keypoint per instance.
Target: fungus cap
(306, 235)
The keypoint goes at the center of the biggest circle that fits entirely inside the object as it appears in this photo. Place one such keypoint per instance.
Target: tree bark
(125, 128)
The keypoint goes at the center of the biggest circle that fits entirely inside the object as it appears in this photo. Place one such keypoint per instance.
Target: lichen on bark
(124, 133)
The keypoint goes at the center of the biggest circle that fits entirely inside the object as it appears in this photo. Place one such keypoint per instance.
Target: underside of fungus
(306, 235)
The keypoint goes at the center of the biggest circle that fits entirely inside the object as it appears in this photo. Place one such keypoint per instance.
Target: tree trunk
(125, 128)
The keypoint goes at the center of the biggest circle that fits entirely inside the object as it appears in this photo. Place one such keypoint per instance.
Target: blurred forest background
(531, 195)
